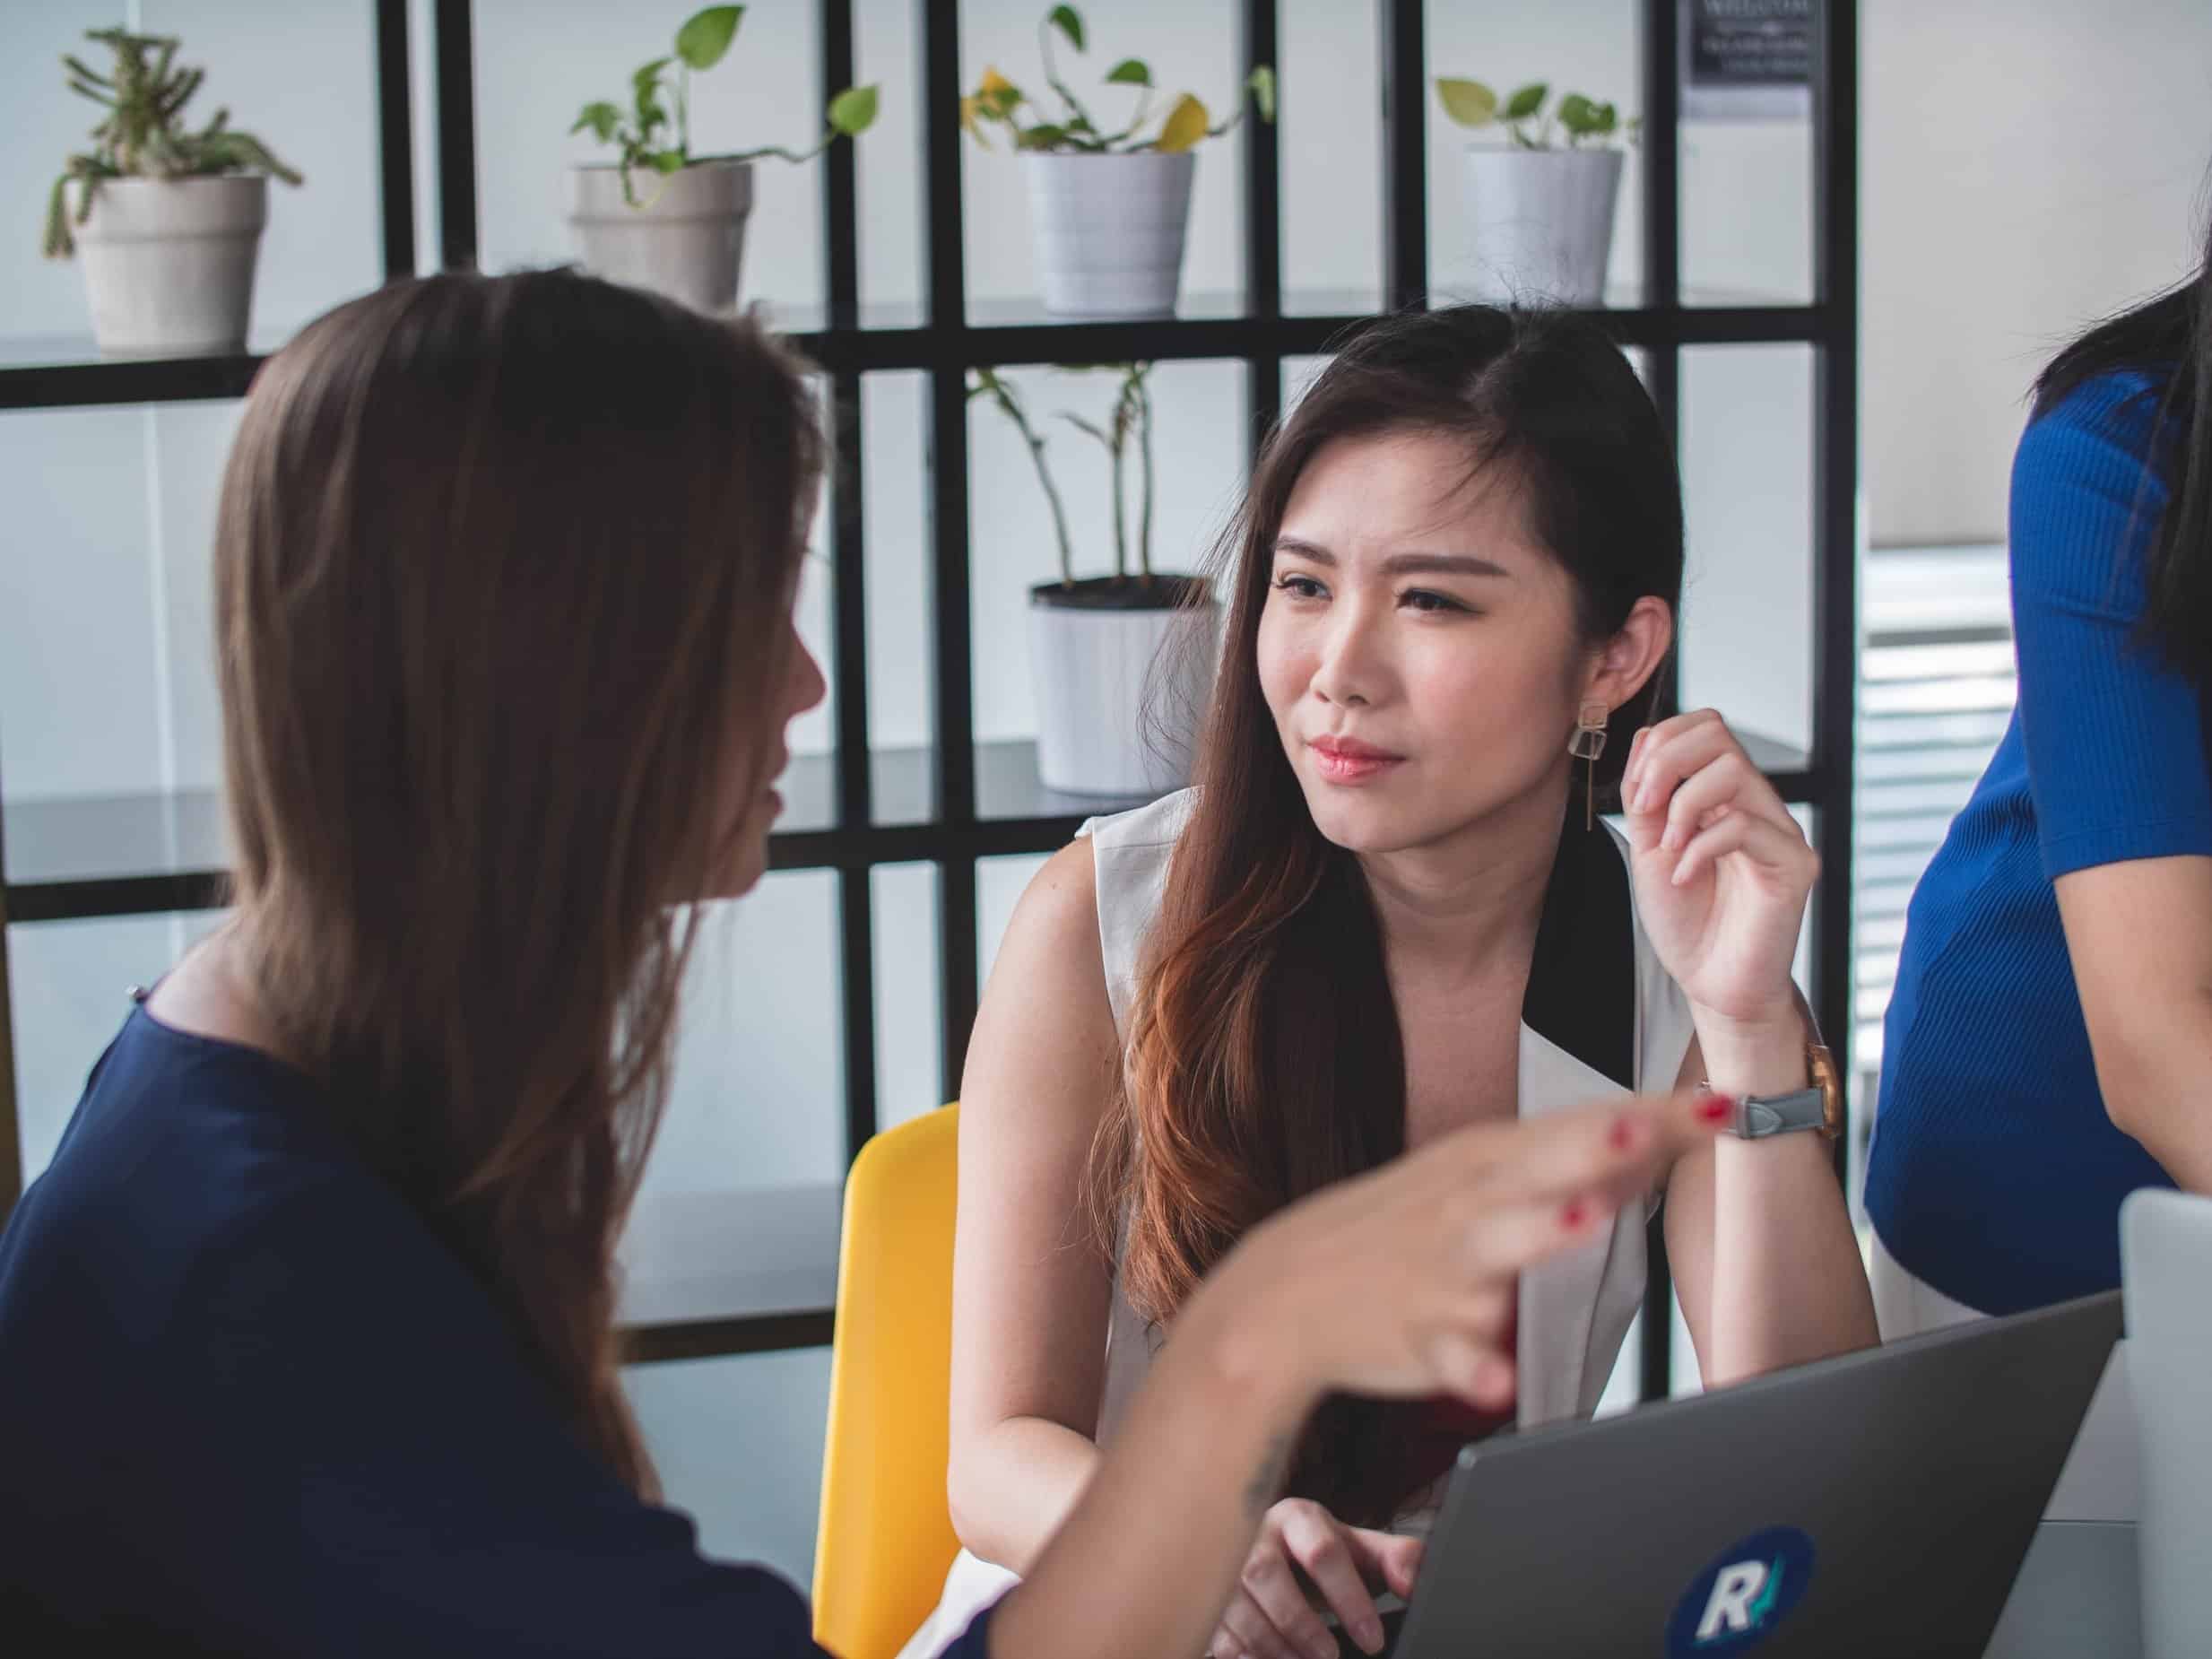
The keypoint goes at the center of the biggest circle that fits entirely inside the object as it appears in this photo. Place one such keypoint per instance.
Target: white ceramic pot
(1543, 223)
(1110, 230)
(1119, 691)
(685, 241)
(168, 263)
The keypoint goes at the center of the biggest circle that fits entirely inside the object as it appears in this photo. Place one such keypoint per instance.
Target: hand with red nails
(1399, 1281)
(1402, 1282)
(1721, 872)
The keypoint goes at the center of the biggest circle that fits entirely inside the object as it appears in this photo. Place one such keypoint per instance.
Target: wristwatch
(1819, 1106)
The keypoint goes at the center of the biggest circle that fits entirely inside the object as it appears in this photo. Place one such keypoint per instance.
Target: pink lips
(1347, 760)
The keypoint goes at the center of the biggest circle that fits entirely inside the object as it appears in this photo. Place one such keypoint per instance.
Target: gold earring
(1587, 744)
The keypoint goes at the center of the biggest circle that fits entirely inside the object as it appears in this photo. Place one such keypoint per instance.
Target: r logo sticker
(1739, 1599)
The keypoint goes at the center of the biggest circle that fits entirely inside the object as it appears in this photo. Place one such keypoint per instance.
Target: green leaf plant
(654, 140)
(1128, 427)
(1073, 130)
(143, 136)
(1583, 123)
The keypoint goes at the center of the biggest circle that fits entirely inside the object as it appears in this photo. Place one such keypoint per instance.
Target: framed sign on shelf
(1747, 60)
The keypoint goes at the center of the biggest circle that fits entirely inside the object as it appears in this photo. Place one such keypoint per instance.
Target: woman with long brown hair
(1385, 912)
(309, 1327)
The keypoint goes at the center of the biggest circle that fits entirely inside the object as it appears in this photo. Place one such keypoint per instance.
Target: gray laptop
(1876, 1504)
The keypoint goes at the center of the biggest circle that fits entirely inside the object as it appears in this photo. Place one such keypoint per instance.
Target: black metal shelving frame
(852, 837)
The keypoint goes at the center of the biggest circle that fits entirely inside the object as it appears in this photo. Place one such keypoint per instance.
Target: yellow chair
(886, 1539)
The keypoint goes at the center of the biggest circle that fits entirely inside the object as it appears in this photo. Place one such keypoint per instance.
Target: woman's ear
(1633, 654)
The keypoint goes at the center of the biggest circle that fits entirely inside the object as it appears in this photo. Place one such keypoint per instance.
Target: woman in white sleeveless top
(1385, 911)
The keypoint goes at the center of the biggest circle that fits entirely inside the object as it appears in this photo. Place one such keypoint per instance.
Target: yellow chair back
(886, 1539)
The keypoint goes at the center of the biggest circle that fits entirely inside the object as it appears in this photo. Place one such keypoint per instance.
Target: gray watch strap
(1760, 1115)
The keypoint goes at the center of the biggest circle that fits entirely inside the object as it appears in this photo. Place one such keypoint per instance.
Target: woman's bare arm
(2139, 935)
(1759, 1235)
(1031, 1286)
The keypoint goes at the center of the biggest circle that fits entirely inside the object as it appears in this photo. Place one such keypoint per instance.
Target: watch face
(1830, 1082)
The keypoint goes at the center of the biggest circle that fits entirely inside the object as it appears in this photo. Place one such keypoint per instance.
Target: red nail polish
(1715, 1108)
(1624, 1134)
(1575, 1214)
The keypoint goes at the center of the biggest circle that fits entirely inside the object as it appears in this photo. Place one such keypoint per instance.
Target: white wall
(2028, 167)
(1745, 445)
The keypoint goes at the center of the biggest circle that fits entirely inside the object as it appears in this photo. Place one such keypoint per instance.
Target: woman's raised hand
(1402, 1281)
(1721, 870)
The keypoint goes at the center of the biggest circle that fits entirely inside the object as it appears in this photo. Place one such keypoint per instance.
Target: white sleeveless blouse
(1600, 1018)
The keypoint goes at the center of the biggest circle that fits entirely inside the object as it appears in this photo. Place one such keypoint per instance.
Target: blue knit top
(1996, 1176)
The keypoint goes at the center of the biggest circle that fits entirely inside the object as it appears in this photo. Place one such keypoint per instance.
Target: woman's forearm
(1150, 1552)
(2152, 1072)
(1788, 1282)
(1013, 1487)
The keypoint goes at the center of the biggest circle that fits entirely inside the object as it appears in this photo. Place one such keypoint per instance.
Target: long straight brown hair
(503, 568)
(1264, 1057)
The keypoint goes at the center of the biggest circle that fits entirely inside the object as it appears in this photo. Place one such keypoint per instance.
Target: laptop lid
(2165, 1262)
(1876, 1502)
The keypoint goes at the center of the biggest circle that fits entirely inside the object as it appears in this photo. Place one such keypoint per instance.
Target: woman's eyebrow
(1400, 564)
(1314, 551)
(1443, 564)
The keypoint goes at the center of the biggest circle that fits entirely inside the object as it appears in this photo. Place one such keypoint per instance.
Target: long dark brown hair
(2168, 339)
(1264, 1058)
(502, 571)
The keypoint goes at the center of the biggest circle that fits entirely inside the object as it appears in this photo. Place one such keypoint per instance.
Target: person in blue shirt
(308, 1328)
(2049, 1046)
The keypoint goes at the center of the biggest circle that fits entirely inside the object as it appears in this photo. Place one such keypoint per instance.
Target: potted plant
(1110, 204)
(169, 220)
(659, 217)
(1542, 201)
(1119, 662)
